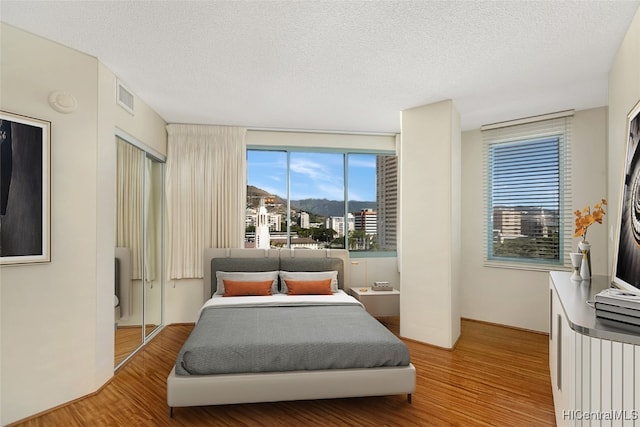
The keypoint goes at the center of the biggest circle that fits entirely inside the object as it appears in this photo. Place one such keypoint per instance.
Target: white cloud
(313, 170)
(317, 180)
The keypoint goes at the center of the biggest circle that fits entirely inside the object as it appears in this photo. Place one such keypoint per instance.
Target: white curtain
(151, 213)
(206, 192)
(129, 200)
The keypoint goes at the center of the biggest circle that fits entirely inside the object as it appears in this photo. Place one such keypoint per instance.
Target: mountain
(327, 208)
(322, 207)
(254, 194)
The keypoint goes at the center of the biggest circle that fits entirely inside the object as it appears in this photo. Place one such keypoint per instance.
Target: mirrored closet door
(139, 246)
(154, 196)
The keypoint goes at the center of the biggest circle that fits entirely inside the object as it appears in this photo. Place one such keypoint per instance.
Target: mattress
(280, 333)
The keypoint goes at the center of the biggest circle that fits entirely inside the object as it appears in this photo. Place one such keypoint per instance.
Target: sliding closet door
(128, 288)
(154, 190)
(139, 247)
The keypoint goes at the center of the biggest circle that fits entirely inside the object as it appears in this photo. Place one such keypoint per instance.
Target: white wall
(429, 224)
(364, 271)
(518, 297)
(330, 140)
(57, 318)
(624, 93)
(49, 311)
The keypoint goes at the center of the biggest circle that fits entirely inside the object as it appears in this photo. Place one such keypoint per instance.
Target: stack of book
(618, 305)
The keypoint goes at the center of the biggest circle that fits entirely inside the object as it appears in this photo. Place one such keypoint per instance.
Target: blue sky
(313, 175)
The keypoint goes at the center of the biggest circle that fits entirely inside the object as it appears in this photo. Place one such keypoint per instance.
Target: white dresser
(595, 366)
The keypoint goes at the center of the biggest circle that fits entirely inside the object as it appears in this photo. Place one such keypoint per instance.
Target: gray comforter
(288, 338)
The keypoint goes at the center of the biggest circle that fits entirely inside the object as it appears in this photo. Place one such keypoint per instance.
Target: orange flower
(585, 218)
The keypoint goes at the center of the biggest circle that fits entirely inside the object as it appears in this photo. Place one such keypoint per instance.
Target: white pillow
(308, 275)
(245, 277)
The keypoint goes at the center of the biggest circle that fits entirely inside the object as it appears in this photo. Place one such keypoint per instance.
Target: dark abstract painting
(24, 189)
(627, 262)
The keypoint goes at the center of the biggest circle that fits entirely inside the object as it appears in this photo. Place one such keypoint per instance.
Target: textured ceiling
(343, 66)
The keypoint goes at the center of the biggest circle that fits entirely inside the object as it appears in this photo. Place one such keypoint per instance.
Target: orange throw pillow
(309, 287)
(234, 288)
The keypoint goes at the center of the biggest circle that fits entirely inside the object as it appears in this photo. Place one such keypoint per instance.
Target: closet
(138, 261)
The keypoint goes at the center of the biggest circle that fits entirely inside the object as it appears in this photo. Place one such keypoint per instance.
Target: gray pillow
(314, 264)
(243, 276)
(242, 265)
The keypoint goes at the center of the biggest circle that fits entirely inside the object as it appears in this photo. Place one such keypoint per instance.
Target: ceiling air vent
(124, 97)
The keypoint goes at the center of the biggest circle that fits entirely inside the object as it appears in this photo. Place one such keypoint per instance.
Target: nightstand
(378, 303)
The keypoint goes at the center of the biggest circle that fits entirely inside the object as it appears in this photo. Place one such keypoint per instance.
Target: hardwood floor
(496, 376)
(127, 339)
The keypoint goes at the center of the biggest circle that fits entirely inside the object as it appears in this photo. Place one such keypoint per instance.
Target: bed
(314, 341)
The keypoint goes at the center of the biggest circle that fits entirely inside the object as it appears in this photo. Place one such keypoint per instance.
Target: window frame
(529, 131)
(345, 152)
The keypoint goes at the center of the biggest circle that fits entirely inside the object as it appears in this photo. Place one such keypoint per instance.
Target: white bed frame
(203, 390)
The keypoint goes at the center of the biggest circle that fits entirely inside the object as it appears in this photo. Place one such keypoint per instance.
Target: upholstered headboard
(216, 259)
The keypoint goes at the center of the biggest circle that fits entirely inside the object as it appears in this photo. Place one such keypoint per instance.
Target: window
(528, 204)
(317, 200)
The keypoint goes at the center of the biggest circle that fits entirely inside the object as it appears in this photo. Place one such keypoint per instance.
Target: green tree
(304, 232)
(358, 239)
(337, 243)
(527, 247)
(323, 234)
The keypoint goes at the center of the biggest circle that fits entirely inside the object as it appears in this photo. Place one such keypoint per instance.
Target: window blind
(527, 195)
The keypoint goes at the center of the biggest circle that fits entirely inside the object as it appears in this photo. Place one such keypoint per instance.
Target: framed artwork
(626, 266)
(24, 189)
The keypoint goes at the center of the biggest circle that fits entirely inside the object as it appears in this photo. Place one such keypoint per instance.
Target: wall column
(430, 207)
